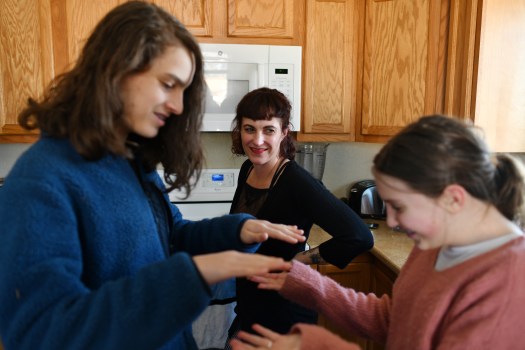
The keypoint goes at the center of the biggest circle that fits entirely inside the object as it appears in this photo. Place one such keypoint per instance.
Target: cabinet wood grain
(330, 70)
(26, 60)
(372, 67)
(41, 39)
(195, 14)
(261, 18)
(403, 65)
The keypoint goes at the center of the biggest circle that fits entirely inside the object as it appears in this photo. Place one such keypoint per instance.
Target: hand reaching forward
(271, 281)
(256, 231)
(221, 266)
(266, 339)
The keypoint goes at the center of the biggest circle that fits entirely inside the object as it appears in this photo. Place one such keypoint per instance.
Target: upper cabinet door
(195, 14)
(330, 70)
(403, 64)
(26, 61)
(73, 22)
(372, 67)
(261, 18)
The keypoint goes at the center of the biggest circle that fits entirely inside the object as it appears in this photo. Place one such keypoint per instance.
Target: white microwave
(232, 70)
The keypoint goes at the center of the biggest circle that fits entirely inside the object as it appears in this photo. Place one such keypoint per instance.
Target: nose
(258, 138)
(175, 102)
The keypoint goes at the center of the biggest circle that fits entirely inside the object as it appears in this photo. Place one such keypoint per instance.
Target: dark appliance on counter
(364, 199)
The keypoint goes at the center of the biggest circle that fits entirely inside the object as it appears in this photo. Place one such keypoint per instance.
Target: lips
(257, 150)
(161, 117)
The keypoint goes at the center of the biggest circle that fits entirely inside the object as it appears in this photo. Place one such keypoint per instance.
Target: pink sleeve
(318, 338)
(362, 314)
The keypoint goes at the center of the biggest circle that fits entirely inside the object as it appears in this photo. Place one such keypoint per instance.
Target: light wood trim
(462, 58)
(263, 18)
(13, 133)
(195, 14)
(436, 57)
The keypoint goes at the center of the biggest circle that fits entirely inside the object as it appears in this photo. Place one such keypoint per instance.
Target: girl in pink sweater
(462, 286)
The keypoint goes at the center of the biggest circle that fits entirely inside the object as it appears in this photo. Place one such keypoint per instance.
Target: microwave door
(226, 84)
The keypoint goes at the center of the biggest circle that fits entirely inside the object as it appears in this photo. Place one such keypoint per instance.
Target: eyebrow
(179, 81)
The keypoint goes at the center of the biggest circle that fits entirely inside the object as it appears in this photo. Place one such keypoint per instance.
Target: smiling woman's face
(152, 96)
(261, 140)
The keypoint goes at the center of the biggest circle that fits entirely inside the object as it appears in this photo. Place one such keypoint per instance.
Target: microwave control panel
(281, 78)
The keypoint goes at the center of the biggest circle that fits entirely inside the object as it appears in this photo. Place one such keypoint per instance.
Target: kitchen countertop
(391, 247)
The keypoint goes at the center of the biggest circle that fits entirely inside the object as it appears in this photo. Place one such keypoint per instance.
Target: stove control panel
(218, 179)
(214, 185)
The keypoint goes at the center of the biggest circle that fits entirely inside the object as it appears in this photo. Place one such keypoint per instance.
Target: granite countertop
(391, 247)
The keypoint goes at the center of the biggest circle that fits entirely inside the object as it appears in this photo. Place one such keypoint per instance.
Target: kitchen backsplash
(346, 162)
(9, 152)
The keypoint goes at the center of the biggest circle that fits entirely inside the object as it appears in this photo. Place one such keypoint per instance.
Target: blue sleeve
(210, 235)
(207, 235)
(46, 302)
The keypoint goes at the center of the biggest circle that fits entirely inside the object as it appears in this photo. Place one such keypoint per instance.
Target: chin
(425, 245)
(148, 134)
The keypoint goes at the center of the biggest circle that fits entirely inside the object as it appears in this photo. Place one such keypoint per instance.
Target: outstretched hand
(266, 339)
(256, 231)
(270, 281)
(221, 266)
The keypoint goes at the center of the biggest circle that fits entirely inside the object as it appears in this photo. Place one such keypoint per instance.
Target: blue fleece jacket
(83, 264)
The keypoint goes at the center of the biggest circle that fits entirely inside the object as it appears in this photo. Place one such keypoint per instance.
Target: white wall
(9, 152)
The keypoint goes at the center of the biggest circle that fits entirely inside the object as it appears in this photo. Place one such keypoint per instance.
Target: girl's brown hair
(84, 104)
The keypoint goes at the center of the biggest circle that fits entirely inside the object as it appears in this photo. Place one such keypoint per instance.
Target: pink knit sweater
(478, 304)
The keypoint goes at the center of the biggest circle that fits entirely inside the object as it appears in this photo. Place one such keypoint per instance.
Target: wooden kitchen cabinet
(26, 61)
(39, 39)
(366, 274)
(403, 65)
(382, 282)
(330, 70)
(357, 276)
(371, 67)
(43, 38)
(265, 22)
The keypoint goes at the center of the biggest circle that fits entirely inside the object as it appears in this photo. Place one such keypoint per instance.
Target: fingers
(290, 234)
(258, 341)
(221, 266)
(256, 231)
(269, 281)
(265, 332)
